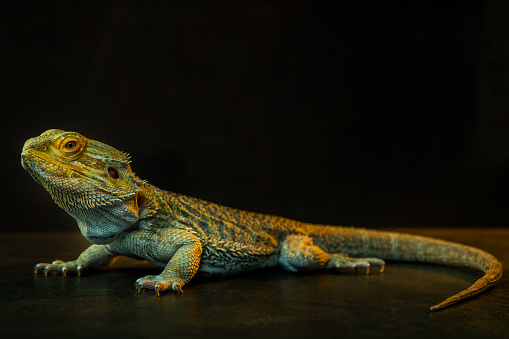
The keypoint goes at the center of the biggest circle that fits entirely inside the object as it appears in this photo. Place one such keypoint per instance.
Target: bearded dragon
(122, 215)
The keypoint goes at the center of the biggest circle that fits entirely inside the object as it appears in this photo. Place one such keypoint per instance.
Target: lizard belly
(219, 263)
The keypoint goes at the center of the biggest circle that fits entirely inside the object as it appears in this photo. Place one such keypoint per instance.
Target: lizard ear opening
(113, 173)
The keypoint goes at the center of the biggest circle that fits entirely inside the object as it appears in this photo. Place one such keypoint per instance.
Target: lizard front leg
(179, 250)
(94, 257)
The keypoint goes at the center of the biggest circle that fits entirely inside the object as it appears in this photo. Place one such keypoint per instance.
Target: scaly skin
(123, 215)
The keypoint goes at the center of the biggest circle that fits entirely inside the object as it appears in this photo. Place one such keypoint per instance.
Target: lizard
(123, 215)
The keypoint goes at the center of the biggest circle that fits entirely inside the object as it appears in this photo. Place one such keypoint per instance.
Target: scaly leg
(178, 249)
(299, 253)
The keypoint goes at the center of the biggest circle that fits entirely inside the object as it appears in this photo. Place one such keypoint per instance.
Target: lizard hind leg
(298, 253)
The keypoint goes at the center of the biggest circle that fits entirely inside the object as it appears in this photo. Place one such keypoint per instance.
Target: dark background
(365, 113)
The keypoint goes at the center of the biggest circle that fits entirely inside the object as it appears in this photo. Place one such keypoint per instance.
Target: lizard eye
(113, 173)
(70, 145)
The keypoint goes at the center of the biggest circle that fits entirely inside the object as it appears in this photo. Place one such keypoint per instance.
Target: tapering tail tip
(490, 279)
(438, 307)
(453, 300)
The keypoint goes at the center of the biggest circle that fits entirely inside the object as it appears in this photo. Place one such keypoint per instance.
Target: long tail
(408, 247)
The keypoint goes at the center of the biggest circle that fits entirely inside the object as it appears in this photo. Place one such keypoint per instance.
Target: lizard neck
(102, 224)
(152, 202)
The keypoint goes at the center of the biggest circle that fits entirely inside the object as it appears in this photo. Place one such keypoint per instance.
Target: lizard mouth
(82, 174)
(31, 166)
(25, 161)
(36, 165)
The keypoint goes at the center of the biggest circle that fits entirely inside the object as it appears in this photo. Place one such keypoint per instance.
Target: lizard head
(90, 180)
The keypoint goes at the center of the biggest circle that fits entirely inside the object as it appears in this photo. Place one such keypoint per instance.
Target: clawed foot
(344, 262)
(59, 266)
(159, 284)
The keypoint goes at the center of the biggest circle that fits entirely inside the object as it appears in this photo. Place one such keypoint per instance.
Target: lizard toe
(144, 282)
(176, 285)
(57, 266)
(159, 283)
(343, 262)
(159, 287)
(40, 267)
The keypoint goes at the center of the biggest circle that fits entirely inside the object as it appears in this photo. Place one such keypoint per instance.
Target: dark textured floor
(263, 304)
